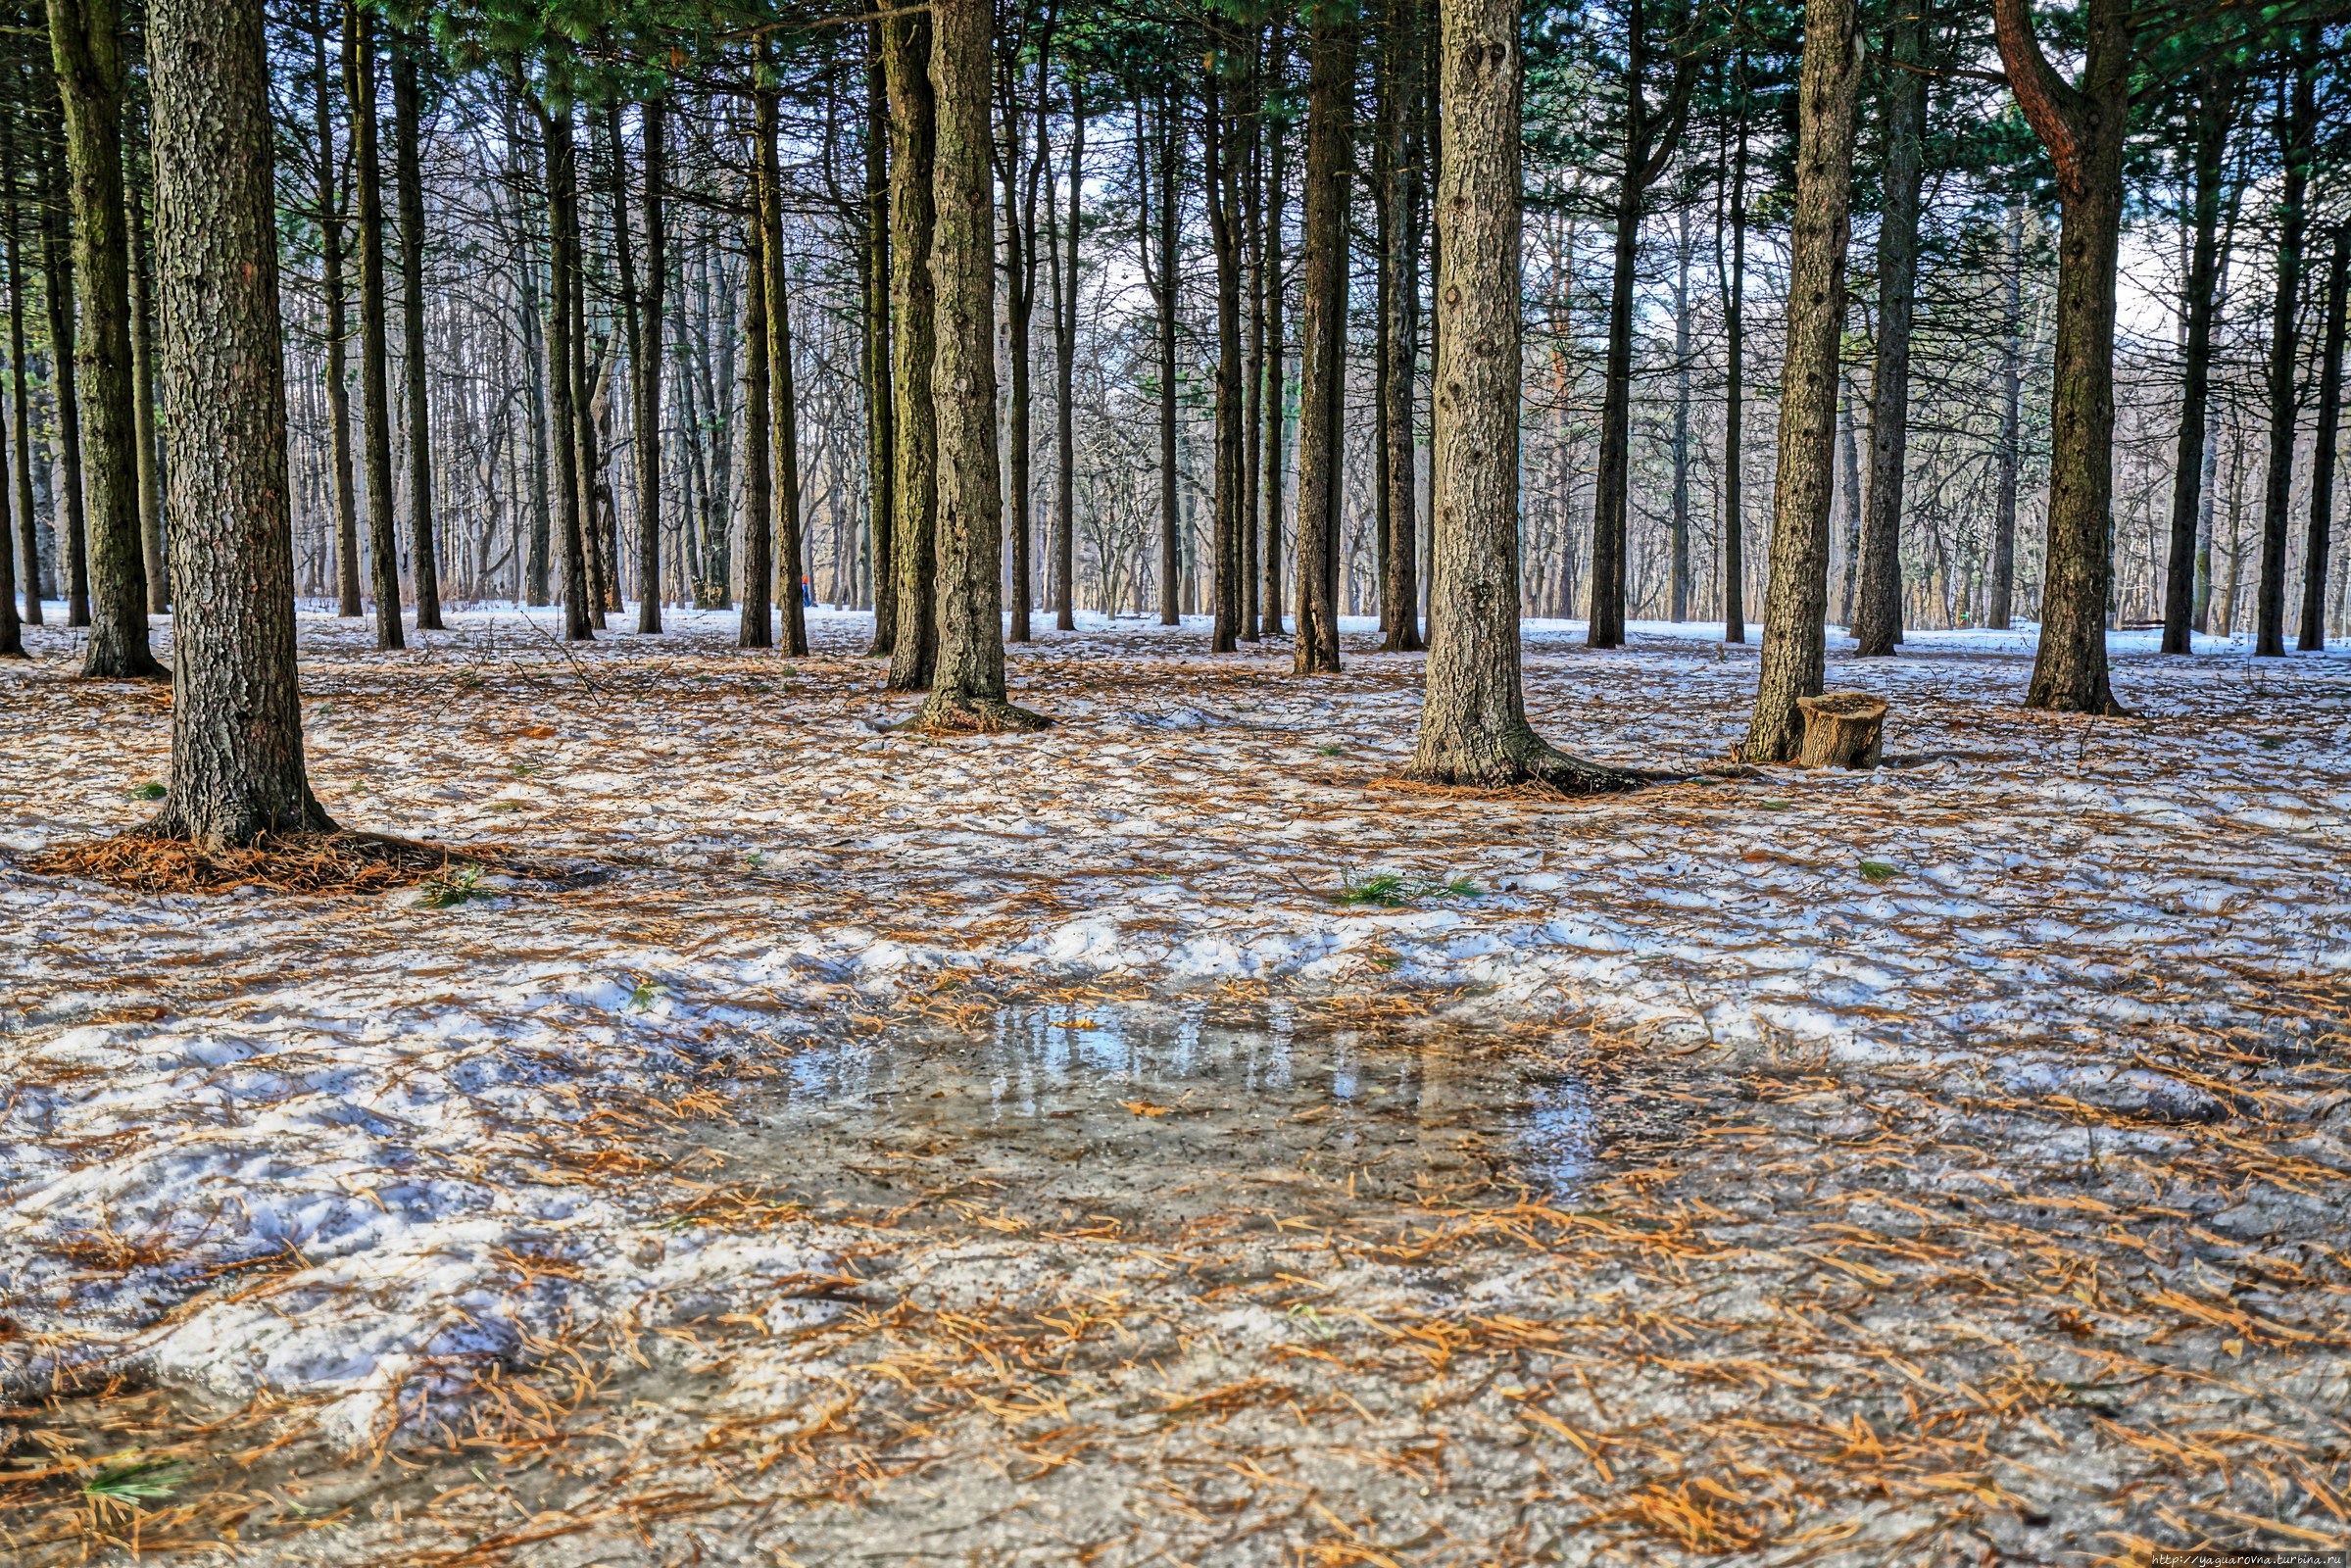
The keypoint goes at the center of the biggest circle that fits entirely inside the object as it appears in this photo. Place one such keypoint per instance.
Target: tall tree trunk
(1399, 195)
(1878, 615)
(1277, 388)
(57, 289)
(238, 768)
(562, 192)
(1734, 352)
(408, 177)
(756, 528)
(1020, 304)
(1222, 146)
(644, 355)
(1161, 280)
(588, 459)
(915, 487)
(2296, 127)
(2084, 130)
(85, 40)
(1473, 728)
(1322, 334)
(880, 412)
(1796, 595)
(1252, 369)
(1678, 580)
(2321, 464)
(2216, 109)
(968, 693)
(149, 463)
(29, 537)
(338, 379)
(375, 401)
(2011, 453)
(1066, 348)
(790, 556)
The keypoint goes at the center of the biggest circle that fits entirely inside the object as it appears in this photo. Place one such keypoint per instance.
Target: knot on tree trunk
(1843, 729)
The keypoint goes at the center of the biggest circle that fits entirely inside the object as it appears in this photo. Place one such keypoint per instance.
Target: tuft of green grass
(148, 791)
(2272, 743)
(1773, 805)
(1330, 750)
(1878, 871)
(449, 889)
(648, 993)
(121, 1487)
(1387, 890)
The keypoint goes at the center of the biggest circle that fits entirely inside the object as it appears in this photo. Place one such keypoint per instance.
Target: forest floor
(1164, 1139)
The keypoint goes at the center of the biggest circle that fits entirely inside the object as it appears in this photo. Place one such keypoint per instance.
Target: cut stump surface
(1843, 729)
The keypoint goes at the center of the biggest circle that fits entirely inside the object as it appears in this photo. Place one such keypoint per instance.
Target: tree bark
(1399, 197)
(1322, 334)
(149, 463)
(1222, 145)
(2321, 466)
(85, 41)
(1677, 581)
(1160, 279)
(1065, 346)
(57, 288)
(237, 769)
(968, 693)
(562, 192)
(1796, 596)
(2295, 129)
(2010, 456)
(789, 554)
(1252, 366)
(645, 356)
(408, 177)
(2084, 130)
(756, 528)
(376, 402)
(29, 537)
(2216, 109)
(1735, 351)
(1473, 728)
(1276, 389)
(880, 412)
(1878, 615)
(338, 379)
(914, 487)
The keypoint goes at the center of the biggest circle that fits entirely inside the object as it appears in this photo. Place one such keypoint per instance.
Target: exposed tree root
(1526, 767)
(143, 861)
(950, 713)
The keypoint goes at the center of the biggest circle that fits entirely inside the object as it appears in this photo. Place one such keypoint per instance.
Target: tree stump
(1843, 729)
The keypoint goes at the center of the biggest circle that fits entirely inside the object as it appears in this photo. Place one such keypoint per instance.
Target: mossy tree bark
(338, 379)
(375, 397)
(1473, 728)
(85, 41)
(1796, 597)
(914, 483)
(967, 693)
(408, 175)
(1322, 334)
(142, 410)
(238, 769)
(2084, 130)
(1878, 611)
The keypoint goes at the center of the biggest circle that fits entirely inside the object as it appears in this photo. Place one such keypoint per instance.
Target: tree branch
(2051, 105)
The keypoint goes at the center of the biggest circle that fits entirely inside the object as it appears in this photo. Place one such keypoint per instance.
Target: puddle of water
(1146, 1117)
